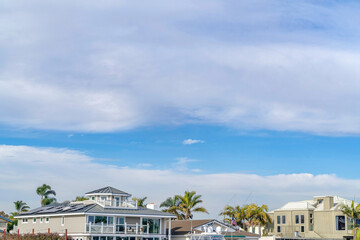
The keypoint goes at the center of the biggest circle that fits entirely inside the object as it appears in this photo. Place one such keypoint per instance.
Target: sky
(252, 101)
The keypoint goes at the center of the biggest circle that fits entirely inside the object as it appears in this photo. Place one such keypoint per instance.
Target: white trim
(50, 215)
(108, 194)
(128, 215)
(95, 214)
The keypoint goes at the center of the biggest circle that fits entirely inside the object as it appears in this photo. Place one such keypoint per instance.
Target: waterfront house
(183, 229)
(107, 215)
(3, 223)
(318, 218)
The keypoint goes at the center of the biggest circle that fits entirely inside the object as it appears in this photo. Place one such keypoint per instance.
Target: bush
(40, 236)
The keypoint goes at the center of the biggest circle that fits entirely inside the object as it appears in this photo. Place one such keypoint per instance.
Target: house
(318, 218)
(183, 229)
(3, 223)
(107, 215)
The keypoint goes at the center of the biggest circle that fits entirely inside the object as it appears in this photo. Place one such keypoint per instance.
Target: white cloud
(192, 141)
(175, 65)
(24, 168)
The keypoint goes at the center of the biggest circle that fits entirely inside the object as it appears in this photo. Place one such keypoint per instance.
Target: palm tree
(237, 214)
(352, 212)
(188, 204)
(258, 216)
(20, 207)
(140, 202)
(172, 205)
(45, 192)
(80, 199)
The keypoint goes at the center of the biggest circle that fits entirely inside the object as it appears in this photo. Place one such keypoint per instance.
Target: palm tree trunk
(41, 203)
(260, 230)
(354, 237)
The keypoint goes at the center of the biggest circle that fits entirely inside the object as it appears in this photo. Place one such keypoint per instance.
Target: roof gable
(6, 219)
(109, 190)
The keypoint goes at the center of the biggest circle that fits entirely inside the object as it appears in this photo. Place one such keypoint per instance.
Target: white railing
(125, 228)
(118, 204)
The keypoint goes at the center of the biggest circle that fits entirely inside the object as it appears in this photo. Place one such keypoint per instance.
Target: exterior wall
(3, 224)
(74, 224)
(323, 224)
(132, 220)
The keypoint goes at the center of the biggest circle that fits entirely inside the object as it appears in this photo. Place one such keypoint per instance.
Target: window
(153, 224)
(120, 225)
(34, 220)
(278, 229)
(62, 221)
(311, 215)
(283, 219)
(101, 219)
(278, 219)
(103, 198)
(41, 220)
(340, 223)
(47, 220)
(24, 220)
(297, 219)
(92, 198)
(311, 221)
(302, 229)
(302, 219)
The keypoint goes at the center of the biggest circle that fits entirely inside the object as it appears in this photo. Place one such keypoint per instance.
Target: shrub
(40, 236)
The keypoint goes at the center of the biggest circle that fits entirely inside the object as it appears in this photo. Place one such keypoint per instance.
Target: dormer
(111, 197)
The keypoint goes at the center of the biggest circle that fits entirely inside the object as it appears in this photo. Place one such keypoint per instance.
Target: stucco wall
(74, 224)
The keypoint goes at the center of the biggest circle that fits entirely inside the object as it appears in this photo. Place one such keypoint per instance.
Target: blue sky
(266, 91)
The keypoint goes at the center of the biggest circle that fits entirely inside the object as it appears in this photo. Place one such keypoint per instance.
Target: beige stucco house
(107, 215)
(317, 218)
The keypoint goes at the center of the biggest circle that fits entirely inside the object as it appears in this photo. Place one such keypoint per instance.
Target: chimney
(328, 202)
(152, 206)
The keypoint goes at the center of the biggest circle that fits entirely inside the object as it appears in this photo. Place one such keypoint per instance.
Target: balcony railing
(117, 204)
(133, 229)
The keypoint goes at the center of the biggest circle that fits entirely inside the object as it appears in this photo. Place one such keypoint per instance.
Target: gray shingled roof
(129, 211)
(110, 190)
(91, 208)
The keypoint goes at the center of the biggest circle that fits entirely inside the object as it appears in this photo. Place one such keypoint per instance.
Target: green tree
(140, 201)
(352, 212)
(46, 194)
(188, 204)
(172, 205)
(258, 216)
(237, 214)
(80, 199)
(20, 207)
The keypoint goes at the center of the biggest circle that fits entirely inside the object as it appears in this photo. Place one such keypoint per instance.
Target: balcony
(117, 204)
(130, 229)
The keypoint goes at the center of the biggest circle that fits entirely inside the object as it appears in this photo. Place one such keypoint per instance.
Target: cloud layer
(190, 141)
(118, 65)
(72, 173)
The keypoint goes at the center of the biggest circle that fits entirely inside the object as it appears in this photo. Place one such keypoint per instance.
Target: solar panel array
(59, 208)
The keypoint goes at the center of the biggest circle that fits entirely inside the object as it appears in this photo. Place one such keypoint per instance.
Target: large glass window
(302, 229)
(340, 223)
(278, 219)
(121, 238)
(302, 219)
(278, 229)
(283, 219)
(153, 224)
(296, 219)
(101, 219)
(120, 225)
